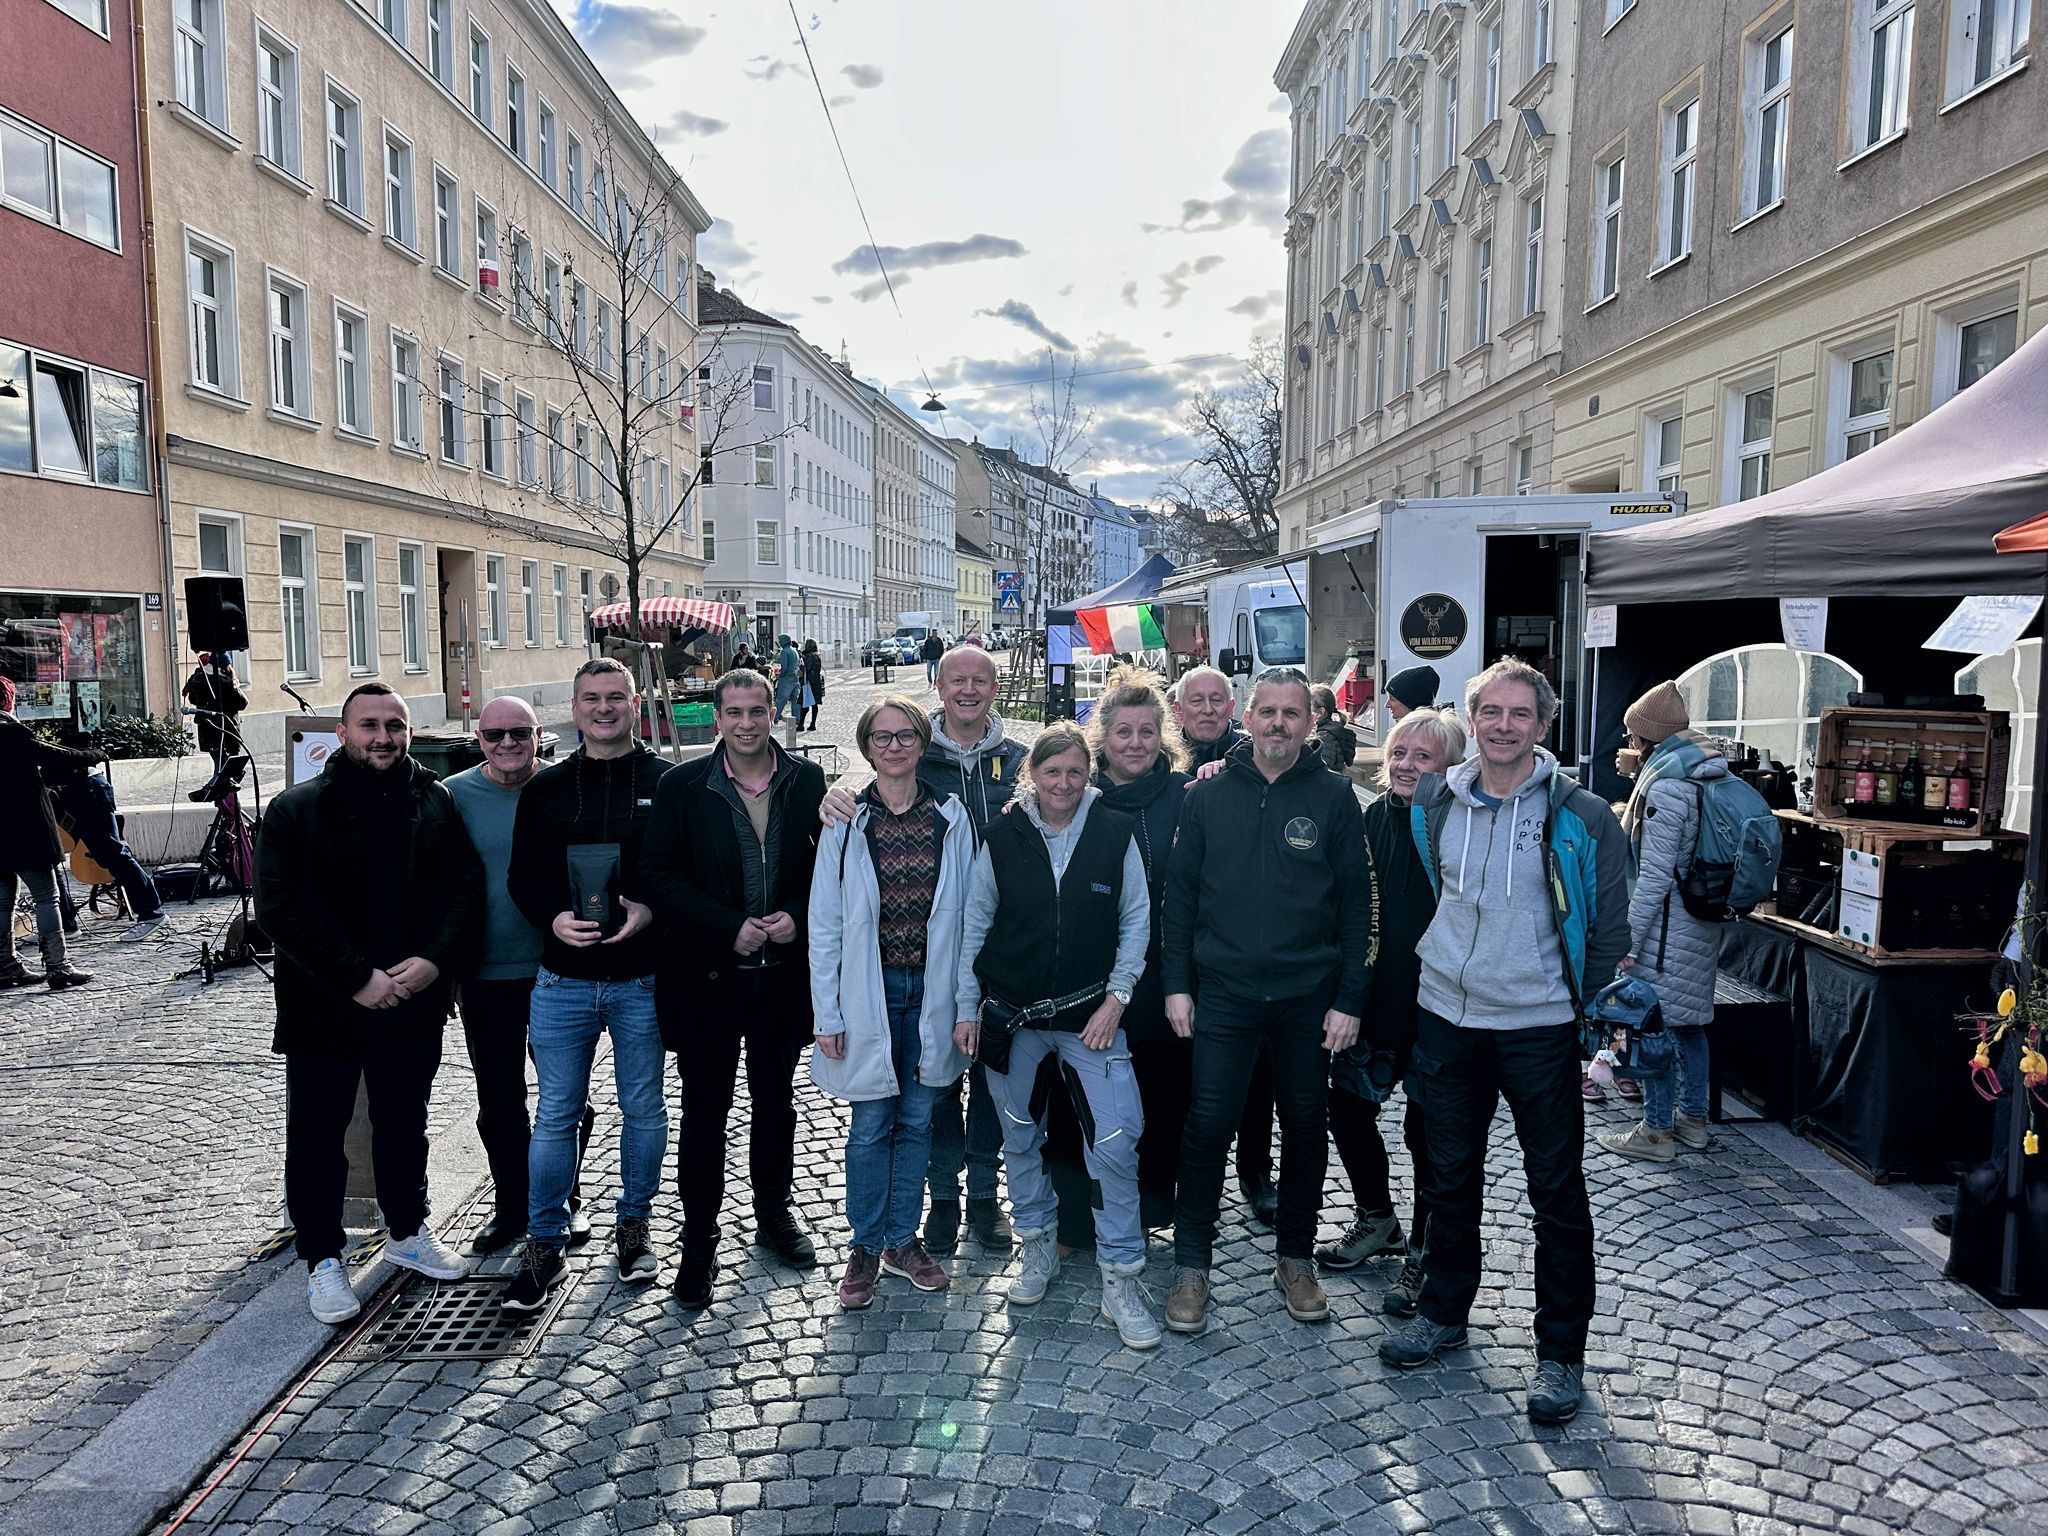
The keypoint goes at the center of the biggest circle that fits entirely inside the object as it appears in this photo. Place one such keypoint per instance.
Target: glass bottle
(1909, 785)
(1865, 791)
(1887, 786)
(1933, 790)
(1960, 796)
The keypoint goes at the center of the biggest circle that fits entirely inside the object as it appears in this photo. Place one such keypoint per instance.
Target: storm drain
(454, 1320)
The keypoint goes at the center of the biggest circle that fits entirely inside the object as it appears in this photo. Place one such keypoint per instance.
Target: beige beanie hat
(1658, 715)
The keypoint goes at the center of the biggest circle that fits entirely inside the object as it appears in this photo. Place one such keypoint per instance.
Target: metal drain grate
(454, 1320)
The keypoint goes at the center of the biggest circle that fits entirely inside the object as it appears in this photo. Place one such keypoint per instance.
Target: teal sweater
(512, 945)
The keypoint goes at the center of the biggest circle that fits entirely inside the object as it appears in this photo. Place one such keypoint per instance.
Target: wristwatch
(1122, 995)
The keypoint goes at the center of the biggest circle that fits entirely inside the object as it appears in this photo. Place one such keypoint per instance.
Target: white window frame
(440, 43)
(1845, 425)
(1532, 214)
(519, 278)
(1987, 41)
(1442, 358)
(359, 605)
(1482, 291)
(767, 546)
(1383, 222)
(231, 529)
(447, 221)
(412, 608)
(479, 61)
(558, 452)
(277, 107)
(561, 596)
(488, 250)
(572, 188)
(490, 391)
(1540, 24)
(1881, 40)
(515, 111)
(544, 135)
(764, 375)
(1447, 99)
(199, 63)
(1663, 461)
(451, 435)
(1491, 45)
(1677, 181)
(344, 146)
(1766, 112)
(525, 444)
(287, 347)
(584, 468)
(1407, 345)
(406, 423)
(307, 585)
(1413, 189)
(63, 211)
(1525, 468)
(529, 594)
(602, 324)
(1949, 325)
(401, 203)
(90, 14)
(1743, 451)
(1610, 188)
(764, 466)
(494, 626)
(351, 367)
(392, 18)
(1616, 9)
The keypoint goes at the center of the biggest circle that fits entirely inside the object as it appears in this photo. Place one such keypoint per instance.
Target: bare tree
(1056, 558)
(1222, 501)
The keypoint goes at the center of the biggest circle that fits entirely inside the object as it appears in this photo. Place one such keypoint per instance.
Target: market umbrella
(658, 613)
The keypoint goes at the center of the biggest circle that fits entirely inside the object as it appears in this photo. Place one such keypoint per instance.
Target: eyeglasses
(497, 733)
(892, 739)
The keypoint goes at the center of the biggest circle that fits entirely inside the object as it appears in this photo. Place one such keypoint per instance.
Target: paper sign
(1984, 626)
(1806, 622)
(1601, 623)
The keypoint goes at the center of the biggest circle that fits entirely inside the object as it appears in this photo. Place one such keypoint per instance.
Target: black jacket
(1336, 743)
(213, 689)
(706, 874)
(1407, 901)
(932, 649)
(1201, 754)
(320, 899)
(1153, 803)
(585, 799)
(1269, 893)
(28, 832)
(814, 674)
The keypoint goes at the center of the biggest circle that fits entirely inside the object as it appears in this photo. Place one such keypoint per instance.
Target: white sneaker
(1038, 1260)
(1123, 1303)
(425, 1254)
(329, 1294)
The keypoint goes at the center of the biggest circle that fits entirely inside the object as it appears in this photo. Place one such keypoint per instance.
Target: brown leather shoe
(1187, 1308)
(1296, 1280)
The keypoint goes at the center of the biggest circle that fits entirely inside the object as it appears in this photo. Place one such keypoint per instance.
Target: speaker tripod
(229, 854)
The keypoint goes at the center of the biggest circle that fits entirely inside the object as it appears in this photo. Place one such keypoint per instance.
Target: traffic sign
(1010, 590)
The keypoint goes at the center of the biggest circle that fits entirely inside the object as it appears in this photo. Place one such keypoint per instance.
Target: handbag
(1000, 1022)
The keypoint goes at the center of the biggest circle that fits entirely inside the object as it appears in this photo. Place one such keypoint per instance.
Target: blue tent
(1148, 580)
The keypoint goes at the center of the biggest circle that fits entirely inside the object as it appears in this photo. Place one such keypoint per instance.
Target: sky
(1104, 180)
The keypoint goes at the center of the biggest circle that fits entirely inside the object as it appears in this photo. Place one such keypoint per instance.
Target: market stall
(1083, 637)
(668, 659)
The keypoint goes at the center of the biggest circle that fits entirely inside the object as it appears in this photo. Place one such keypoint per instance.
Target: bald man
(494, 997)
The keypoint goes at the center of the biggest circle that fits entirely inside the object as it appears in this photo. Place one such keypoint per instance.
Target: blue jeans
(889, 1140)
(1113, 1122)
(566, 1019)
(1691, 1066)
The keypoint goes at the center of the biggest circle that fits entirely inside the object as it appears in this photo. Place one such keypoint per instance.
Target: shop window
(72, 656)
(1768, 697)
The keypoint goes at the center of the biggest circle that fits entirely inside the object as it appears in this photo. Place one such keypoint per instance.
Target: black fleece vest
(1047, 942)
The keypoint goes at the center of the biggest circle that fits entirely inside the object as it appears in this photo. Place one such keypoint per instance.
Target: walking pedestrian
(789, 678)
(495, 997)
(933, 651)
(1058, 917)
(971, 759)
(1423, 741)
(369, 887)
(886, 899)
(1531, 874)
(29, 850)
(578, 873)
(1269, 938)
(1673, 951)
(1137, 752)
(729, 861)
(813, 696)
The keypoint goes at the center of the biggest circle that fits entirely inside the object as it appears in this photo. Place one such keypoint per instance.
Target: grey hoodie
(982, 777)
(1492, 958)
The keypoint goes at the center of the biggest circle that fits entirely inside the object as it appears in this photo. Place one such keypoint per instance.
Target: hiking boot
(915, 1265)
(1187, 1307)
(1296, 1281)
(1554, 1392)
(425, 1254)
(1261, 1196)
(1038, 1261)
(501, 1231)
(1420, 1342)
(692, 1284)
(329, 1294)
(1123, 1303)
(1641, 1143)
(857, 1285)
(778, 1232)
(987, 1226)
(636, 1254)
(1400, 1298)
(1690, 1132)
(541, 1268)
(942, 1226)
(1367, 1236)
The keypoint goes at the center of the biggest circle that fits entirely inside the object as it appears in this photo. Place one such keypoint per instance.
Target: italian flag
(1126, 627)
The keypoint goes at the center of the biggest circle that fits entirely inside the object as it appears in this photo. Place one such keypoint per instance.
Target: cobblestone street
(1765, 1358)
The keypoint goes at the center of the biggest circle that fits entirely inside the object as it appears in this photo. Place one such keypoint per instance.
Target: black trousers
(401, 1054)
(1165, 1069)
(1228, 1038)
(1355, 1129)
(709, 1069)
(1464, 1075)
(1255, 1125)
(494, 1015)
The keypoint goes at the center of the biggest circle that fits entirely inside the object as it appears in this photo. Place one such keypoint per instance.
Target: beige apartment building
(1801, 228)
(381, 228)
(1425, 236)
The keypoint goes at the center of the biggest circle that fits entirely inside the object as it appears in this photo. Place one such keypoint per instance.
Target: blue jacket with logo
(1270, 891)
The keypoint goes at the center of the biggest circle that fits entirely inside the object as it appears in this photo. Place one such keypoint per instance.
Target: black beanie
(1416, 687)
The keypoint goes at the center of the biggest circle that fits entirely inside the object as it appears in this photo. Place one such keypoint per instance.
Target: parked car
(883, 648)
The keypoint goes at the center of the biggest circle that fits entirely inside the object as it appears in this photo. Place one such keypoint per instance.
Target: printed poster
(81, 642)
(86, 710)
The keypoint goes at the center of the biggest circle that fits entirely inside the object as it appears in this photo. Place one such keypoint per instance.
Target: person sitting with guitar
(99, 855)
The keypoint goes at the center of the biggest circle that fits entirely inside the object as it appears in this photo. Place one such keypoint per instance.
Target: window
(515, 111)
(62, 429)
(1329, 411)
(529, 578)
(1384, 180)
(493, 625)
(1883, 62)
(764, 387)
(583, 467)
(286, 302)
(764, 463)
(666, 504)
(358, 566)
(522, 279)
(1984, 345)
(1532, 256)
(440, 58)
(1482, 293)
(344, 149)
(1539, 34)
(551, 296)
(1681, 152)
(493, 424)
(53, 180)
(1443, 322)
(604, 338)
(1414, 163)
(764, 543)
(351, 384)
(1770, 696)
(391, 17)
(1350, 381)
(1616, 9)
(1869, 404)
(1662, 448)
(561, 605)
(1751, 412)
(1448, 91)
(558, 455)
(599, 216)
(28, 180)
(1766, 106)
(447, 223)
(525, 450)
(277, 101)
(87, 13)
(573, 192)
(1379, 367)
(486, 249)
(405, 392)
(1407, 345)
(217, 547)
(1525, 469)
(1492, 70)
(1607, 184)
(1986, 38)
(661, 373)
(583, 590)
(294, 580)
(199, 59)
(544, 143)
(1357, 224)
(401, 219)
(479, 74)
(710, 541)
(450, 387)
(412, 639)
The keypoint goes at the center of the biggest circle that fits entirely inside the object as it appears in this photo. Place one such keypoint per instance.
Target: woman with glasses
(885, 913)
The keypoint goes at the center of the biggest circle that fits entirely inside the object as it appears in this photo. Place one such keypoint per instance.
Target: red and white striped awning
(660, 612)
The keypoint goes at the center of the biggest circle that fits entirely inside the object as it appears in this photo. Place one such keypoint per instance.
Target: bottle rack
(1983, 737)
